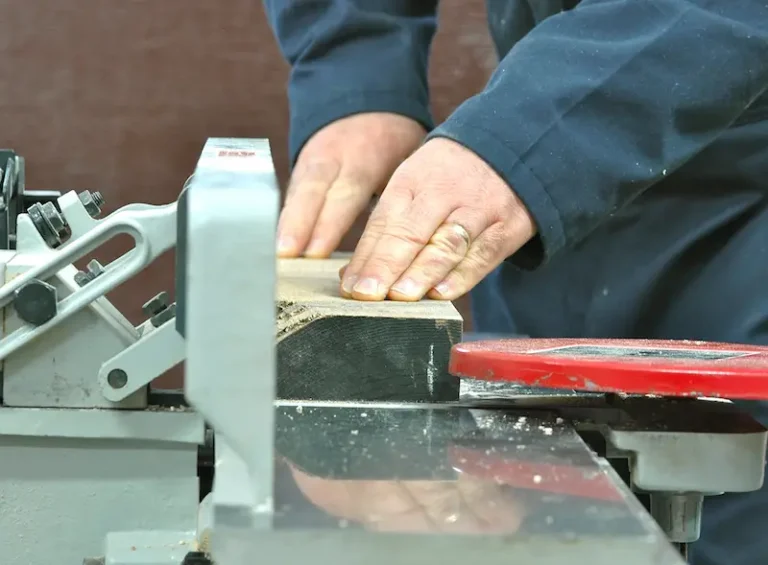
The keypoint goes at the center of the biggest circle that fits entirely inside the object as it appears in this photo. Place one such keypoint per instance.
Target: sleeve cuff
(317, 113)
(550, 236)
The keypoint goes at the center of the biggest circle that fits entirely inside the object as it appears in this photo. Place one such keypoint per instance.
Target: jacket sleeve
(598, 103)
(352, 56)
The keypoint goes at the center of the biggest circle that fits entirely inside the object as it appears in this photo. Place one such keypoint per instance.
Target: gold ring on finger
(448, 233)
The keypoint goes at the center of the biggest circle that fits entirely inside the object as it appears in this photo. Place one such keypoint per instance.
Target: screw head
(117, 378)
(36, 302)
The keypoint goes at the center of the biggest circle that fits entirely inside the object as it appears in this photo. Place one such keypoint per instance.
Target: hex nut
(44, 228)
(55, 220)
(92, 202)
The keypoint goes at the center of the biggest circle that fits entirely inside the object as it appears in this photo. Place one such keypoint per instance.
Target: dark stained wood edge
(330, 348)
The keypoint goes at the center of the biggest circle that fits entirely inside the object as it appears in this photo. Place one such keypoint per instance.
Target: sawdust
(165, 408)
(204, 542)
(291, 317)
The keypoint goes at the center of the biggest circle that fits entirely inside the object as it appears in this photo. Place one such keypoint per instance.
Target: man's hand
(336, 175)
(467, 505)
(444, 221)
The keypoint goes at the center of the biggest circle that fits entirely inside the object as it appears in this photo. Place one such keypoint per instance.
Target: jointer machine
(301, 438)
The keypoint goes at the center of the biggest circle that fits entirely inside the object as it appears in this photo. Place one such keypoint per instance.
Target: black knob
(196, 558)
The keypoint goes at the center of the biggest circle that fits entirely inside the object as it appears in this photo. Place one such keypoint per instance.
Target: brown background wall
(119, 96)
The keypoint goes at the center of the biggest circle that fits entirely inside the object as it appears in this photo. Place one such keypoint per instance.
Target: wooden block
(332, 348)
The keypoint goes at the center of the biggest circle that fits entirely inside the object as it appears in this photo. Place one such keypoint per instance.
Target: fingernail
(315, 247)
(348, 283)
(285, 244)
(443, 289)
(407, 287)
(368, 287)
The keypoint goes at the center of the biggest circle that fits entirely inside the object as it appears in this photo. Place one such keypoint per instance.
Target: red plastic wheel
(664, 368)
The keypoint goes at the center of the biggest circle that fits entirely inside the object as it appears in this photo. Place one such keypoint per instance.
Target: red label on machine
(231, 153)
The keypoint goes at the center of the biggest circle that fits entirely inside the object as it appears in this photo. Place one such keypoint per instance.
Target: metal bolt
(95, 269)
(92, 202)
(678, 514)
(156, 304)
(117, 378)
(36, 302)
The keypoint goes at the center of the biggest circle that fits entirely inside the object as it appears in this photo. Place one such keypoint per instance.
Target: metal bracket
(682, 450)
(688, 445)
(156, 351)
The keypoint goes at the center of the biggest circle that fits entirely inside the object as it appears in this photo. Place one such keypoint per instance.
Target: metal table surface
(413, 484)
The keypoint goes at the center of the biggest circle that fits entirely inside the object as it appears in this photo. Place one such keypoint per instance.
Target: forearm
(352, 56)
(597, 104)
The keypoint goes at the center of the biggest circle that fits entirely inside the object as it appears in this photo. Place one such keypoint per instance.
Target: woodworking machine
(99, 467)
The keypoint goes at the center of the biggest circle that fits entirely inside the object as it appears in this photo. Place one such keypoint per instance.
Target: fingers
(450, 265)
(322, 203)
(406, 261)
(303, 204)
(345, 201)
(446, 249)
(484, 254)
(497, 509)
(403, 227)
(392, 205)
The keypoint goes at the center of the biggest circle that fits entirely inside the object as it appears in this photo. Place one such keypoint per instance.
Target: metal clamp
(153, 229)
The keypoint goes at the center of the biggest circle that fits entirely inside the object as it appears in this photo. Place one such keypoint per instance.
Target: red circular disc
(664, 368)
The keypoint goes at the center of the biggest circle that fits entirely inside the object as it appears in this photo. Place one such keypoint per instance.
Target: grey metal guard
(229, 214)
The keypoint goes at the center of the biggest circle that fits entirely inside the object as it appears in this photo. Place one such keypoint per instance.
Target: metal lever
(158, 350)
